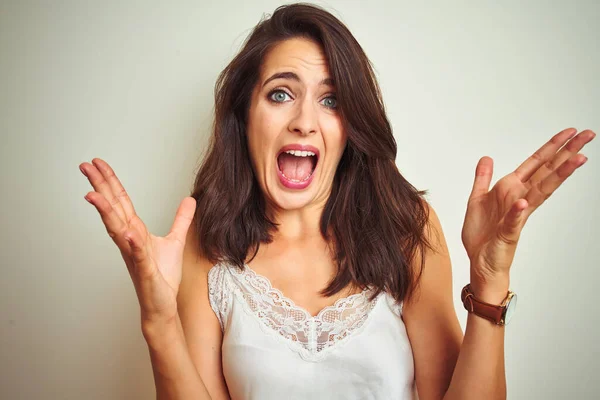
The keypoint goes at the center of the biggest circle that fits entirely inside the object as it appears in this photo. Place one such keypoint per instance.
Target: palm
(164, 252)
(494, 219)
(168, 257)
(486, 215)
(154, 263)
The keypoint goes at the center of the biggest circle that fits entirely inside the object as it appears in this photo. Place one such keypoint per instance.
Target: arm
(199, 323)
(175, 376)
(491, 231)
(186, 351)
(448, 366)
(479, 371)
(155, 266)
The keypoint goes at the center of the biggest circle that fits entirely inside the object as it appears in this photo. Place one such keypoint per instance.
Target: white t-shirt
(273, 349)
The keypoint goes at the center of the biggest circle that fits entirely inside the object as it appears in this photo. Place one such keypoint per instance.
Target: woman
(304, 265)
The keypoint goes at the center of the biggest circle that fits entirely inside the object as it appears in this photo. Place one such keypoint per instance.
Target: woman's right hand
(154, 263)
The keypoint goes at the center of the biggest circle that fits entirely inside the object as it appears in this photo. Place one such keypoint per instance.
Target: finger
(483, 177)
(101, 185)
(513, 221)
(116, 186)
(573, 147)
(543, 154)
(113, 223)
(183, 219)
(544, 189)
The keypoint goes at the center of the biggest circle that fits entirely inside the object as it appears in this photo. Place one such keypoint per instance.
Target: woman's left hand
(494, 219)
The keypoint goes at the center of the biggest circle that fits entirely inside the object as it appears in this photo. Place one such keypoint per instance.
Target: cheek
(336, 139)
(262, 131)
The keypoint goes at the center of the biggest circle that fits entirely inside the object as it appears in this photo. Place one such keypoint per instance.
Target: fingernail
(82, 171)
(88, 200)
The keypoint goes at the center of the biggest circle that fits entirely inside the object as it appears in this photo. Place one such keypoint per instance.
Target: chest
(369, 358)
(300, 274)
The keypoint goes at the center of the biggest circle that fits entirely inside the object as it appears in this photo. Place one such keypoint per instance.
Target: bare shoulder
(430, 317)
(200, 325)
(194, 281)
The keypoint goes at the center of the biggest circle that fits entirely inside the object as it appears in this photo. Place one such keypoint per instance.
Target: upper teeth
(300, 153)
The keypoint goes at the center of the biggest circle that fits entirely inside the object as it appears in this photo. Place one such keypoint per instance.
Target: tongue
(293, 167)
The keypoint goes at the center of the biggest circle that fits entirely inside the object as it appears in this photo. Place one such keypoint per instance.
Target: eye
(330, 102)
(278, 96)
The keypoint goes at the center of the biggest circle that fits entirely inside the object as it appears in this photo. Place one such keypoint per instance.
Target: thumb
(139, 254)
(513, 220)
(183, 219)
(483, 177)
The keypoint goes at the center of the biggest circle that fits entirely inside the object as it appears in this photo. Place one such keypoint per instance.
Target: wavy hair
(374, 218)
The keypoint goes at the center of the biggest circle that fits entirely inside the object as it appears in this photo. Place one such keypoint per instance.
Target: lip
(302, 147)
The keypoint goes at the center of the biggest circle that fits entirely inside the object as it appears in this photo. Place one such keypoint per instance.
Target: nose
(304, 121)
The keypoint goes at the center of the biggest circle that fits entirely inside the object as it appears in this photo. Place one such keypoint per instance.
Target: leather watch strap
(485, 310)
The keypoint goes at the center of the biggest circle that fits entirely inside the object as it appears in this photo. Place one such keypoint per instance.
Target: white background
(132, 83)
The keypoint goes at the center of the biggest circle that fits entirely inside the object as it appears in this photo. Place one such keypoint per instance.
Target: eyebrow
(292, 76)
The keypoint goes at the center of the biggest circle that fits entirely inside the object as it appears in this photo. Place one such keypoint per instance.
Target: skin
(304, 114)
(170, 277)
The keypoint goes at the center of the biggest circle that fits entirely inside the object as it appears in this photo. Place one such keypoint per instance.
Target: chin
(290, 199)
(293, 201)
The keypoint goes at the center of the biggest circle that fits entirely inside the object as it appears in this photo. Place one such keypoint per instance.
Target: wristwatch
(499, 315)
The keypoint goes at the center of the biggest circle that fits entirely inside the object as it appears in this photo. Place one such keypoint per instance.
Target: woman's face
(291, 116)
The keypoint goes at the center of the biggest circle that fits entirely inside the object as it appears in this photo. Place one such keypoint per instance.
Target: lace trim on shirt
(311, 337)
(395, 306)
(219, 294)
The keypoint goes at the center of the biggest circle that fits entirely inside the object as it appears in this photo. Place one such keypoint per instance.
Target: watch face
(510, 309)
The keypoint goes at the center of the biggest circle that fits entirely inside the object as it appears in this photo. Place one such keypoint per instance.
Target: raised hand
(154, 263)
(495, 218)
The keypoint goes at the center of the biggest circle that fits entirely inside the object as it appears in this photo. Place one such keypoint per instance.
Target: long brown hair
(374, 217)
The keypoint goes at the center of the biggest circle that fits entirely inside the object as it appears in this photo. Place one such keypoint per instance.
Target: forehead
(302, 56)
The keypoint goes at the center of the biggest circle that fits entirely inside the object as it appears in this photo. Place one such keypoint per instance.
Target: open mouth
(297, 164)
